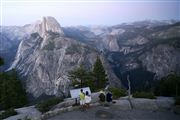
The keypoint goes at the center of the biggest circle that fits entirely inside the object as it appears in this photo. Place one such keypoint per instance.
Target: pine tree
(78, 76)
(99, 74)
(82, 78)
(96, 79)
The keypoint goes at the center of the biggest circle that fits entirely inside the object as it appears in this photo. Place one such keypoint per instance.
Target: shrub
(117, 92)
(168, 86)
(177, 100)
(148, 95)
(7, 113)
(46, 105)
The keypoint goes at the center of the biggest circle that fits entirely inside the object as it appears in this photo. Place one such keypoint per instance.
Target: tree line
(96, 78)
(12, 92)
(168, 86)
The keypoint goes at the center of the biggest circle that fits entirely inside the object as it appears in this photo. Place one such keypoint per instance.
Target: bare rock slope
(46, 56)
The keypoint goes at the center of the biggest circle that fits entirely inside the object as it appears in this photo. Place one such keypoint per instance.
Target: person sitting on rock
(102, 97)
(109, 97)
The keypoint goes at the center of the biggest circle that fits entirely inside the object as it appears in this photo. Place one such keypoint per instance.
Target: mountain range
(44, 53)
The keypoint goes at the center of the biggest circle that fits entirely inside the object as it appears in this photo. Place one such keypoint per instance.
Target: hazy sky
(87, 12)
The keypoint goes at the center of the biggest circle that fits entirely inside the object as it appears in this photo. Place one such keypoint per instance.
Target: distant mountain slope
(10, 38)
(151, 47)
(45, 58)
(146, 50)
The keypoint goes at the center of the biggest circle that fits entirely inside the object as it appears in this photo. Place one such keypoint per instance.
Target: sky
(87, 12)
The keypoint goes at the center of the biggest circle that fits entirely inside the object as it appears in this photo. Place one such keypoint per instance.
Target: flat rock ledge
(161, 103)
(58, 111)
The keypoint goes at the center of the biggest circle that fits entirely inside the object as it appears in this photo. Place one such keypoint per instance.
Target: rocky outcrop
(110, 43)
(26, 113)
(48, 24)
(46, 63)
(161, 60)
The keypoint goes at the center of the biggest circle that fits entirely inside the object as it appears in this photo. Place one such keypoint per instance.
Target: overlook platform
(115, 113)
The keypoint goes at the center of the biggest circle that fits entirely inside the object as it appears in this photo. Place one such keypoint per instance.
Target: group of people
(85, 98)
(105, 97)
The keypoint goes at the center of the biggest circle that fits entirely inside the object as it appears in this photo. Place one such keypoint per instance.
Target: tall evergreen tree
(96, 79)
(99, 74)
(82, 78)
(78, 76)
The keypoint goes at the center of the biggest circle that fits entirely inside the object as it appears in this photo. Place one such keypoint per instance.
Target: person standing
(87, 99)
(82, 99)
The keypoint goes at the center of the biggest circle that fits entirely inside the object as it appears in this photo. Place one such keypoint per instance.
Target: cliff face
(47, 24)
(143, 44)
(46, 57)
(155, 49)
(162, 60)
